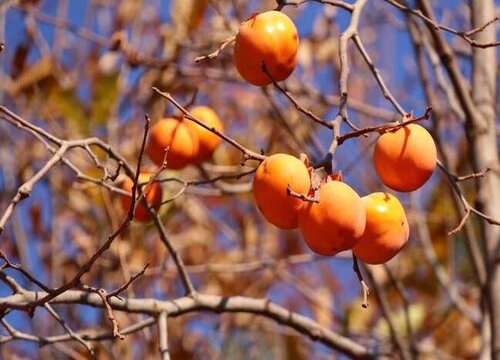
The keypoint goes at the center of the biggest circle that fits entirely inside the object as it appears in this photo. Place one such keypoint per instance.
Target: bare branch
(25, 189)
(290, 97)
(19, 268)
(186, 281)
(364, 287)
(313, 199)
(105, 301)
(212, 303)
(71, 333)
(385, 127)
(466, 35)
(217, 51)
(247, 154)
(380, 294)
(453, 179)
(387, 94)
(128, 283)
(337, 3)
(163, 335)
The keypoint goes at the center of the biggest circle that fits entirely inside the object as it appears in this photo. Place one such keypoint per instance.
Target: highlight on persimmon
(386, 231)
(268, 38)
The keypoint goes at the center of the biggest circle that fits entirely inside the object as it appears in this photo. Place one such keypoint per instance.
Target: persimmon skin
(271, 38)
(405, 159)
(334, 224)
(208, 141)
(181, 141)
(386, 231)
(153, 197)
(270, 184)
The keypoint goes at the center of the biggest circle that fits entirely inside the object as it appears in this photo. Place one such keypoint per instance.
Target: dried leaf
(33, 74)
(187, 14)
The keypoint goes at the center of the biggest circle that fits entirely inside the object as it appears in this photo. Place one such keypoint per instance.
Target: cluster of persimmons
(180, 142)
(331, 216)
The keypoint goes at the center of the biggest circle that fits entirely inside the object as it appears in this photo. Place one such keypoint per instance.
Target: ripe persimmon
(270, 38)
(181, 141)
(272, 178)
(208, 141)
(405, 159)
(336, 222)
(386, 229)
(153, 197)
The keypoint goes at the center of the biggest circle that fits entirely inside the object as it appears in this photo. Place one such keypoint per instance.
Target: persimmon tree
(95, 265)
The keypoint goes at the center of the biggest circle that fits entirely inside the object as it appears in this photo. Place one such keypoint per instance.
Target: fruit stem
(364, 287)
(314, 198)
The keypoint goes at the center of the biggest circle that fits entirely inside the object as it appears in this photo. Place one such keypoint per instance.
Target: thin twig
(337, 3)
(25, 189)
(85, 334)
(392, 126)
(297, 105)
(386, 308)
(466, 35)
(217, 51)
(71, 333)
(472, 176)
(453, 179)
(186, 281)
(406, 305)
(364, 287)
(105, 300)
(142, 198)
(247, 153)
(313, 199)
(450, 287)
(128, 283)
(385, 90)
(19, 268)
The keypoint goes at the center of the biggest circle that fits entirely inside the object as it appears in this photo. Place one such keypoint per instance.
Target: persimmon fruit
(271, 38)
(386, 231)
(208, 141)
(153, 197)
(180, 139)
(272, 178)
(336, 222)
(405, 159)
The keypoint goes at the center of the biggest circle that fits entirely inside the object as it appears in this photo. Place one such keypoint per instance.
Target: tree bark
(484, 153)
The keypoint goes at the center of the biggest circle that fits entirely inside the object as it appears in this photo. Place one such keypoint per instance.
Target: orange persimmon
(270, 38)
(336, 222)
(182, 143)
(405, 159)
(208, 141)
(386, 231)
(272, 178)
(153, 197)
